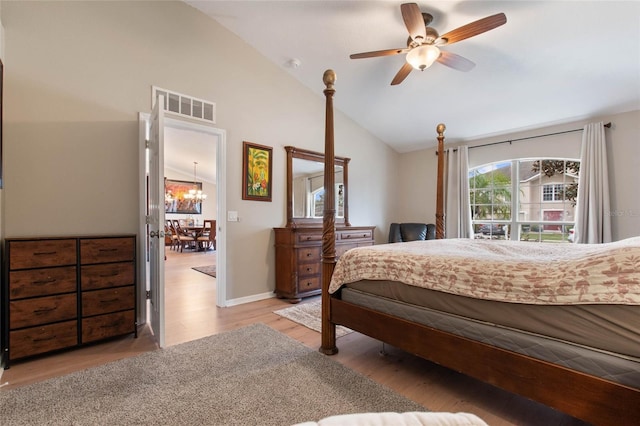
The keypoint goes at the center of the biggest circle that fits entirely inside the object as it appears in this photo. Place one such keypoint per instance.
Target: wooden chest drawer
(37, 340)
(42, 310)
(103, 250)
(104, 301)
(42, 253)
(104, 326)
(94, 277)
(310, 254)
(306, 269)
(42, 282)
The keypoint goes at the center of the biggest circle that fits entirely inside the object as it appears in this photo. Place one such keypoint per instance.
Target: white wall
(78, 73)
(418, 169)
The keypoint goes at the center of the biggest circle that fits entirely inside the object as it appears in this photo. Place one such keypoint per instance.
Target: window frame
(518, 218)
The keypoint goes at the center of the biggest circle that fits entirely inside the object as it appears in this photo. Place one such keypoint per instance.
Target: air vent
(185, 106)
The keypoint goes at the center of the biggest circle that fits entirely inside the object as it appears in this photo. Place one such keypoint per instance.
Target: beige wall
(418, 169)
(78, 73)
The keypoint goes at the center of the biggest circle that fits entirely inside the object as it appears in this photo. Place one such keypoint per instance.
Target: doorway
(190, 296)
(215, 141)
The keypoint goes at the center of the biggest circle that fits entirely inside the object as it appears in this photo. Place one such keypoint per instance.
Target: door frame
(221, 207)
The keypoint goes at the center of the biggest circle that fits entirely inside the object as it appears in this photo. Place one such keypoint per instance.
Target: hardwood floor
(191, 314)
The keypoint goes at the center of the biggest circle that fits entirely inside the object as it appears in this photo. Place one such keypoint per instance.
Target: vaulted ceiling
(552, 62)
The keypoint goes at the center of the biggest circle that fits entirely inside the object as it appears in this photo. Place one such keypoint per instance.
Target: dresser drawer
(308, 237)
(104, 326)
(310, 254)
(364, 234)
(41, 253)
(306, 269)
(104, 301)
(37, 340)
(42, 310)
(309, 283)
(42, 282)
(103, 250)
(342, 248)
(94, 277)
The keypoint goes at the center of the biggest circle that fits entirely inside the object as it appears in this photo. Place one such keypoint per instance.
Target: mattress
(601, 363)
(614, 328)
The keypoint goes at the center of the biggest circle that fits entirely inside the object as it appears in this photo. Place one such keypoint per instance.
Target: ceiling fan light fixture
(423, 56)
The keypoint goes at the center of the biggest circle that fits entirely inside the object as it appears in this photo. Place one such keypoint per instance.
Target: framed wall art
(175, 200)
(256, 172)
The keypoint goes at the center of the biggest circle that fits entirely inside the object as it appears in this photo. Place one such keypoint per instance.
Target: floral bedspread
(511, 271)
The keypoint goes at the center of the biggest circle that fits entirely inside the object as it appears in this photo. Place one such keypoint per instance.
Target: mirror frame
(304, 154)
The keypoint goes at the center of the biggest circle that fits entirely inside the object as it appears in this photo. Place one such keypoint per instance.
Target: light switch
(232, 216)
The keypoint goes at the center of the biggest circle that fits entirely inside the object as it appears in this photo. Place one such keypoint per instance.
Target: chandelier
(195, 193)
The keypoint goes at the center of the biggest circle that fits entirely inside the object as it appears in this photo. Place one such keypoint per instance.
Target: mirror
(305, 188)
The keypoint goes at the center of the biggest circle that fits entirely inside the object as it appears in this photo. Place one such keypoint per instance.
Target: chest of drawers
(299, 257)
(64, 292)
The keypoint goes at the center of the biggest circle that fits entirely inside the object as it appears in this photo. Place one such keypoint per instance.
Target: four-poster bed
(444, 336)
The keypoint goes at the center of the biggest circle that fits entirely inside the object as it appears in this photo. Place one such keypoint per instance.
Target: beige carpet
(309, 315)
(250, 376)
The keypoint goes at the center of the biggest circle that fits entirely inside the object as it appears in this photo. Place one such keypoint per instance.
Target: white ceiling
(552, 62)
(183, 146)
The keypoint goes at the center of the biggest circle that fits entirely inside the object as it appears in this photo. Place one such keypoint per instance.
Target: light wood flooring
(191, 314)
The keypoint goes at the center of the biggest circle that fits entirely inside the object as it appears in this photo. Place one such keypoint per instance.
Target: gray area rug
(309, 314)
(250, 376)
(209, 269)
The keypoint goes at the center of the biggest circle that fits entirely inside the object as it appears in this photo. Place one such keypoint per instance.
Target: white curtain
(457, 207)
(593, 220)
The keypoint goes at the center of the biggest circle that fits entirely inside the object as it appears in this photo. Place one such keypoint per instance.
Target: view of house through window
(525, 199)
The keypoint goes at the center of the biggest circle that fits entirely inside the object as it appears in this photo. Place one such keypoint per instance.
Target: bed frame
(581, 395)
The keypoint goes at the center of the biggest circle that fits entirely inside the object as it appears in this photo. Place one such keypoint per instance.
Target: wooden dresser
(67, 291)
(298, 257)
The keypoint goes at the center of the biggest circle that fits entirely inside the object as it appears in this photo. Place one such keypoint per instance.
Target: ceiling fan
(423, 43)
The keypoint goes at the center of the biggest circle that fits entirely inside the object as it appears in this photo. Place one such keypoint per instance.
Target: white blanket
(400, 419)
(510, 271)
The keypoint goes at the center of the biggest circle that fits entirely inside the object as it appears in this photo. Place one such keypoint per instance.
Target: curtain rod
(608, 126)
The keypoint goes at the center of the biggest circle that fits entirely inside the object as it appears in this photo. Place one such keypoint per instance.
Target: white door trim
(221, 186)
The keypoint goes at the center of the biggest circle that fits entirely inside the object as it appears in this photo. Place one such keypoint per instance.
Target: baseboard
(249, 299)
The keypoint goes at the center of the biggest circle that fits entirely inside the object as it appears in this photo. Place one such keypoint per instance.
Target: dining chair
(207, 236)
(185, 238)
(171, 232)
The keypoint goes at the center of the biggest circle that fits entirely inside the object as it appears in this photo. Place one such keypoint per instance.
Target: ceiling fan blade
(414, 21)
(473, 29)
(402, 74)
(456, 62)
(387, 52)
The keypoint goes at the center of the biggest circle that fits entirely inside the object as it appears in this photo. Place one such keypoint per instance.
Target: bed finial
(329, 77)
(440, 183)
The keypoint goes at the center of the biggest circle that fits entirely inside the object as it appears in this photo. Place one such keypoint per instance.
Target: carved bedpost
(328, 220)
(440, 183)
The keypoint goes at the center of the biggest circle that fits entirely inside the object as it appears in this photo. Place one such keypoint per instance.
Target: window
(552, 192)
(524, 199)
